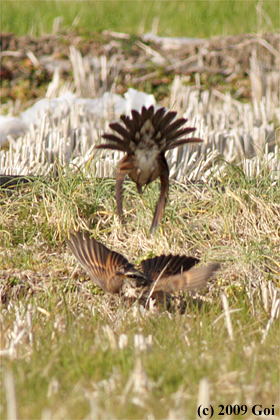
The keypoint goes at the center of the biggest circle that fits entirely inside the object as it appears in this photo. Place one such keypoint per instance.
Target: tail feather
(174, 126)
(112, 137)
(146, 114)
(178, 133)
(157, 117)
(121, 130)
(136, 117)
(162, 130)
(168, 117)
(181, 142)
(122, 148)
(129, 123)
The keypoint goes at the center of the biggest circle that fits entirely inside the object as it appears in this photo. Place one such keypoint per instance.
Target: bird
(114, 274)
(12, 181)
(145, 138)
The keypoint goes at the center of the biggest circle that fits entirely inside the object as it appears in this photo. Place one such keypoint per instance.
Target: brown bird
(113, 273)
(145, 138)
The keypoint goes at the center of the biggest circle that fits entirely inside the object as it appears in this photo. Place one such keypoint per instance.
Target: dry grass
(70, 352)
(67, 350)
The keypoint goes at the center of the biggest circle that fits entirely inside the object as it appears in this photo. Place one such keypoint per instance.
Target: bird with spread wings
(146, 137)
(113, 273)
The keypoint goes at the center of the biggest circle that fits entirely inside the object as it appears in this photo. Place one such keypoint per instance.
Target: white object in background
(33, 114)
(136, 100)
(101, 106)
(10, 126)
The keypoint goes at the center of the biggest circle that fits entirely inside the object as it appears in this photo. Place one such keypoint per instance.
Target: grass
(167, 18)
(68, 350)
(72, 352)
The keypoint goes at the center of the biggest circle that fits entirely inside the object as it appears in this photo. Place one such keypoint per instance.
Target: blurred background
(165, 18)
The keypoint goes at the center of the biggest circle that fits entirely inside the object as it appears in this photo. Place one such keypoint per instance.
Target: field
(166, 18)
(67, 350)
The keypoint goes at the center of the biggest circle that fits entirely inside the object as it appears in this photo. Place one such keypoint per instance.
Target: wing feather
(100, 263)
(166, 265)
(193, 279)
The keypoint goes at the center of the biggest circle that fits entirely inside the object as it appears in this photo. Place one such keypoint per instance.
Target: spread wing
(104, 266)
(193, 279)
(166, 265)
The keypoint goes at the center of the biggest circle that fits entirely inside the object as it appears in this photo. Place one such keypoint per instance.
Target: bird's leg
(164, 179)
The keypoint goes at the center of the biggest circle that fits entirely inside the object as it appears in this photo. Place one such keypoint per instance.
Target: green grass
(70, 361)
(175, 18)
